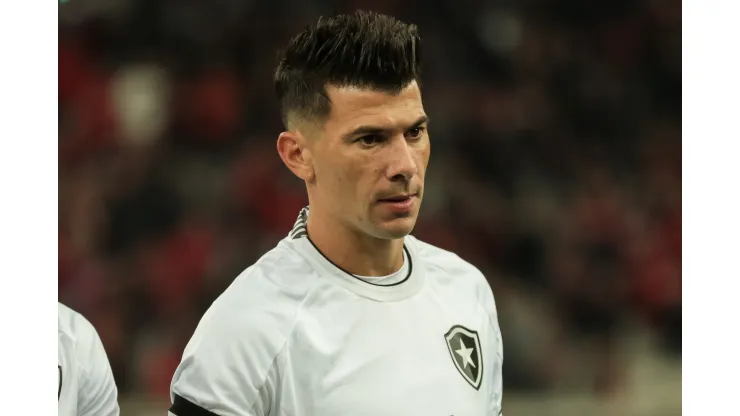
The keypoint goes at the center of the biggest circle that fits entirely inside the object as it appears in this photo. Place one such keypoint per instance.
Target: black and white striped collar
(300, 228)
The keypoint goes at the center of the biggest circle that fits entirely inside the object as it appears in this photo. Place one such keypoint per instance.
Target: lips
(397, 198)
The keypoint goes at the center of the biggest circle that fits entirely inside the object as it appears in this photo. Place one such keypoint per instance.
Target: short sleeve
(98, 394)
(229, 367)
(495, 395)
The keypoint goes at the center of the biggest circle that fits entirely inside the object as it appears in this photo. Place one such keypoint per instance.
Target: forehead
(353, 106)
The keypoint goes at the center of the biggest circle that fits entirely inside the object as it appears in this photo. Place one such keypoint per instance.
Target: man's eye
(369, 140)
(414, 133)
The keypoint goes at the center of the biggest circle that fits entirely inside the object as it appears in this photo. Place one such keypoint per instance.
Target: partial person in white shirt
(86, 384)
(350, 314)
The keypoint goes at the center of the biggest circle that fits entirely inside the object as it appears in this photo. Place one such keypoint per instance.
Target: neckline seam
(361, 281)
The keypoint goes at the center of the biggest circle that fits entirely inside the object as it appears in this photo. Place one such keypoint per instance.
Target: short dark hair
(362, 49)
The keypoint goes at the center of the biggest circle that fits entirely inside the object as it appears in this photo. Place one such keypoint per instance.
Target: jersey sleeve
(230, 367)
(495, 405)
(98, 394)
(495, 394)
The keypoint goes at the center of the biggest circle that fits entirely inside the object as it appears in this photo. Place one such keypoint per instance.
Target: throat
(390, 278)
(358, 254)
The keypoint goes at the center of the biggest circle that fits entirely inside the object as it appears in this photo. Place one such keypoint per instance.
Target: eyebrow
(366, 130)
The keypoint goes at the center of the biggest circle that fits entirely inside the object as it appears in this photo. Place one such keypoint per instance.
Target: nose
(402, 166)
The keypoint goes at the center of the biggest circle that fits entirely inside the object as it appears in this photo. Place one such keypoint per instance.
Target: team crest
(464, 347)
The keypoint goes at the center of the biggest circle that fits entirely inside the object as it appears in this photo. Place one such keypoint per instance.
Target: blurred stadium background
(556, 168)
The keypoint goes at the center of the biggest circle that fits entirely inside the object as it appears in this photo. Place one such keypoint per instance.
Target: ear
(293, 150)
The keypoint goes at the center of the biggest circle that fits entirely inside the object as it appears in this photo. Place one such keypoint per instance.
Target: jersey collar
(403, 289)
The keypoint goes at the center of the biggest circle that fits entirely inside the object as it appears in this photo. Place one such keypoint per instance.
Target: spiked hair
(362, 49)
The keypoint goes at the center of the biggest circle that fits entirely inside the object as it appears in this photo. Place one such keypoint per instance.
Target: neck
(352, 250)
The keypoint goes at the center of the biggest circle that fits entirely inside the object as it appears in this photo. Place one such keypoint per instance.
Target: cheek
(345, 178)
(360, 178)
(422, 159)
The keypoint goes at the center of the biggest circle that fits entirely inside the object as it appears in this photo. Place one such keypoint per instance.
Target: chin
(397, 228)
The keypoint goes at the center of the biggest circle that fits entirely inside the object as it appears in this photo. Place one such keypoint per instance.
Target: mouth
(398, 198)
(401, 204)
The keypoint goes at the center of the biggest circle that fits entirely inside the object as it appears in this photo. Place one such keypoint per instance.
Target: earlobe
(296, 156)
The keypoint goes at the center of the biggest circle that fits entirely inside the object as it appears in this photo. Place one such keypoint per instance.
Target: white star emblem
(465, 353)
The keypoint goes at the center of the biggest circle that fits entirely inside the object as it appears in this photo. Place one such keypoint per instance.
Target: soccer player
(349, 314)
(86, 385)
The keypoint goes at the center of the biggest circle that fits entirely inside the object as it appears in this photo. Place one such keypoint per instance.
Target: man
(349, 314)
(85, 379)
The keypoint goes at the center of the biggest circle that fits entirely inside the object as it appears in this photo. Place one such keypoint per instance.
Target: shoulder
(445, 264)
(450, 271)
(238, 340)
(76, 328)
(255, 314)
(265, 296)
(86, 342)
(71, 322)
(97, 392)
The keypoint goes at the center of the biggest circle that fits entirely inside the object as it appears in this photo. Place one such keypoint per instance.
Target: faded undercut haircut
(364, 49)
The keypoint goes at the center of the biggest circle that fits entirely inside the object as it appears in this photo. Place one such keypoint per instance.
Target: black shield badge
(464, 347)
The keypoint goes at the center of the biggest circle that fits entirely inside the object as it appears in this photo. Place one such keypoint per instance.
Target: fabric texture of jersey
(85, 380)
(296, 335)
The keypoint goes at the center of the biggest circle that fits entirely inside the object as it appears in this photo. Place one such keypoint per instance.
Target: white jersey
(86, 385)
(296, 335)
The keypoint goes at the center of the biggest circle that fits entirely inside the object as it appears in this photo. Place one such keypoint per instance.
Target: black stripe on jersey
(299, 228)
(59, 392)
(300, 234)
(182, 407)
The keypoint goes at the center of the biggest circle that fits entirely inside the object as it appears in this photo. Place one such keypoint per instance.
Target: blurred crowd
(556, 168)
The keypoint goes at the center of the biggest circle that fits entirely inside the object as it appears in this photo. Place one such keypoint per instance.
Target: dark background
(556, 169)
